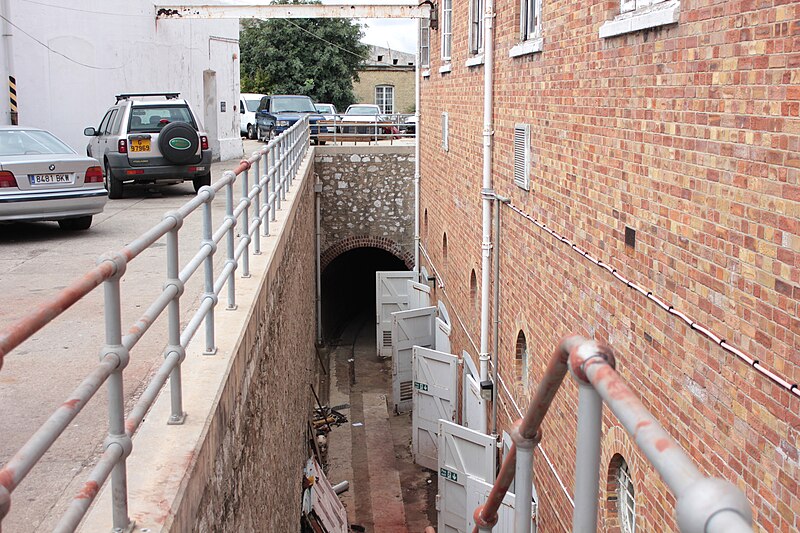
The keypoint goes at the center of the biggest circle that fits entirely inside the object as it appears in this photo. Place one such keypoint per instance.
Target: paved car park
(37, 259)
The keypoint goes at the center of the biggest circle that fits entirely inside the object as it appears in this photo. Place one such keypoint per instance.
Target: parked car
(409, 125)
(363, 114)
(248, 104)
(276, 113)
(150, 138)
(41, 178)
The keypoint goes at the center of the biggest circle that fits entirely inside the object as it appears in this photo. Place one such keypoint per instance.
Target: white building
(70, 58)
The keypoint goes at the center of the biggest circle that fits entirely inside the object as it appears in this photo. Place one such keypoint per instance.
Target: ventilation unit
(522, 155)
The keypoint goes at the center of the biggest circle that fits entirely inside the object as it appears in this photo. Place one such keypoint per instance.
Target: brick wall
(402, 79)
(687, 134)
(367, 199)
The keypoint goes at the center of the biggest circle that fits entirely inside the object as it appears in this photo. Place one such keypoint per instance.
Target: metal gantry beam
(413, 10)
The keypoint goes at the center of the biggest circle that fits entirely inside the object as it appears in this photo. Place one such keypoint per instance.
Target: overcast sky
(397, 34)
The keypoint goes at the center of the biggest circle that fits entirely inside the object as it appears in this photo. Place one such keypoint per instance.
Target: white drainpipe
(8, 41)
(416, 165)
(486, 192)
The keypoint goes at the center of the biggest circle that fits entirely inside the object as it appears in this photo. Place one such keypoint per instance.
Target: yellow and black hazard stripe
(12, 98)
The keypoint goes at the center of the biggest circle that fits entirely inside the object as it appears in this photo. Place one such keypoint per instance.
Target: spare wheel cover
(178, 142)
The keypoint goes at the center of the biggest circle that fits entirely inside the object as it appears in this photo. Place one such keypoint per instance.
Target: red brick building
(661, 138)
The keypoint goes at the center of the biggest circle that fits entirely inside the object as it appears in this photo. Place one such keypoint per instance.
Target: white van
(248, 103)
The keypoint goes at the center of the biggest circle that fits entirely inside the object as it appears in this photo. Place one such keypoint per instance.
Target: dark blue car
(276, 113)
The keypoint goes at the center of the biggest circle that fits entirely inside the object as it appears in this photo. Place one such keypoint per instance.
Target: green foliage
(316, 57)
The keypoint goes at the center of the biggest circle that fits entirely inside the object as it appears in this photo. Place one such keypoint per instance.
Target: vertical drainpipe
(8, 42)
(487, 193)
(318, 244)
(416, 159)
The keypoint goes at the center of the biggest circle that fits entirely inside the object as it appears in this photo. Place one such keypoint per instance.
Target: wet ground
(388, 492)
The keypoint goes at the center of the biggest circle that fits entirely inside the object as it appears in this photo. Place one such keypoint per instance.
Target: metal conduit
(115, 355)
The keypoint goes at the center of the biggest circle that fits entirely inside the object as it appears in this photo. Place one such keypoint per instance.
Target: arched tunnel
(348, 288)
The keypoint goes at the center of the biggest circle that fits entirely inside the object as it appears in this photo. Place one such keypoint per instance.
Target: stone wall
(367, 199)
(401, 78)
(258, 432)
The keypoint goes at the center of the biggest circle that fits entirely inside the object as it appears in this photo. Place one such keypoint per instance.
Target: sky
(397, 34)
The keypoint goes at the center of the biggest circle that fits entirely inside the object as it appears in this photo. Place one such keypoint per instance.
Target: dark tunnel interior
(348, 288)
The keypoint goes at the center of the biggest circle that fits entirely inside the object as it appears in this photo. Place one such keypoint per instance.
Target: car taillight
(203, 142)
(93, 175)
(7, 180)
(122, 146)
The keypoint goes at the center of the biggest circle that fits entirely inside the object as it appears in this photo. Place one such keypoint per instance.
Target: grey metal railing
(365, 128)
(274, 167)
(704, 505)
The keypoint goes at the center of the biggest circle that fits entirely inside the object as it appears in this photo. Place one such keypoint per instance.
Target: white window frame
(530, 31)
(445, 131)
(447, 30)
(424, 42)
(476, 9)
(626, 6)
(382, 101)
(626, 499)
(522, 156)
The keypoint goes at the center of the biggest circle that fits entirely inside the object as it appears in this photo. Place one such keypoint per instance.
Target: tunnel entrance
(348, 288)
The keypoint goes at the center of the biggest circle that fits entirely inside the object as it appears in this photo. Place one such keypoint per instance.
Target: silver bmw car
(41, 178)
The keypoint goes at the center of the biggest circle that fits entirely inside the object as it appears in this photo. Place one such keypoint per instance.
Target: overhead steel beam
(412, 10)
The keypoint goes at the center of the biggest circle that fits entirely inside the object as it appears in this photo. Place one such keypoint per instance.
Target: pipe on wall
(416, 161)
(8, 45)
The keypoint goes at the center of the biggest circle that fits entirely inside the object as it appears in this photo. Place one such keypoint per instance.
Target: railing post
(284, 166)
(244, 235)
(116, 400)
(276, 202)
(523, 476)
(230, 239)
(257, 205)
(177, 416)
(208, 267)
(267, 204)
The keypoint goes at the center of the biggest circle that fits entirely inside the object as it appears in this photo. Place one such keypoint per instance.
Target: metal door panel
(435, 376)
(419, 294)
(462, 453)
(391, 295)
(409, 328)
(478, 493)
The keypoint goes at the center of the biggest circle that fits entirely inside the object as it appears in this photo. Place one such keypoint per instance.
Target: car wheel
(113, 185)
(179, 142)
(75, 224)
(270, 135)
(201, 181)
(251, 132)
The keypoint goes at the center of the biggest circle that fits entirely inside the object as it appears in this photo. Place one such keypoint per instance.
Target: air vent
(387, 339)
(445, 132)
(522, 155)
(406, 389)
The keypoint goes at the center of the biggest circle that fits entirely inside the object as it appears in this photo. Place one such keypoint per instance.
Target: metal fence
(708, 505)
(366, 128)
(248, 214)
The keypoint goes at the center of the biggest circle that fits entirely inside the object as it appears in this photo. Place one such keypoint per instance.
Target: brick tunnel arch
(366, 241)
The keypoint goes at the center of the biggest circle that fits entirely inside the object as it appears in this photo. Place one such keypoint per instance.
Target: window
(384, 97)
(522, 155)
(112, 122)
(445, 132)
(522, 360)
(447, 29)
(473, 289)
(444, 249)
(476, 26)
(530, 20)
(425, 42)
(626, 6)
(626, 504)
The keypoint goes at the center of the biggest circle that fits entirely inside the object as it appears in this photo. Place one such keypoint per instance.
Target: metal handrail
(706, 505)
(367, 128)
(280, 160)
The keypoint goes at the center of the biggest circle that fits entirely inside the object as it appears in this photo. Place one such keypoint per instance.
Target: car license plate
(140, 145)
(50, 179)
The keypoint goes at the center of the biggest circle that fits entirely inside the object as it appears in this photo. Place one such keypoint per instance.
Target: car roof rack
(126, 96)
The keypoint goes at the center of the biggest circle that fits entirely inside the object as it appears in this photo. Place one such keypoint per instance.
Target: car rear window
(31, 142)
(151, 119)
(252, 105)
(362, 110)
(323, 108)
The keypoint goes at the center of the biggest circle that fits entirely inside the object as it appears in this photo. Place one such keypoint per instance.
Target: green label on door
(447, 474)
(421, 386)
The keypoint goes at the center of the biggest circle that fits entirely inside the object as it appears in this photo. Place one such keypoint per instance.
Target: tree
(316, 57)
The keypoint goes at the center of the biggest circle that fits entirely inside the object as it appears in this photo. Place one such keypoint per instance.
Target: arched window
(444, 249)
(425, 224)
(473, 289)
(621, 495)
(522, 360)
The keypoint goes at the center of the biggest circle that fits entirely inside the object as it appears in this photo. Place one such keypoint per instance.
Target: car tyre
(251, 132)
(113, 185)
(201, 181)
(178, 142)
(75, 224)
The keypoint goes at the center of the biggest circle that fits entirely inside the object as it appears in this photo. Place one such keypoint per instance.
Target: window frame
(445, 131)
(447, 30)
(383, 106)
(628, 6)
(476, 24)
(424, 42)
(526, 32)
(626, 499)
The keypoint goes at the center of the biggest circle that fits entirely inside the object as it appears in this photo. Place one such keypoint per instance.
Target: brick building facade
(663, 140)
(387, 79)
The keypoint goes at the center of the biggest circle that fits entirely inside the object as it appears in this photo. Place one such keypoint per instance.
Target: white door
(472, 414)
(478, 493)
(419, 294)
(443, 329)
(409, 328)
(462, 453)
(435, 377)
(391, 295)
